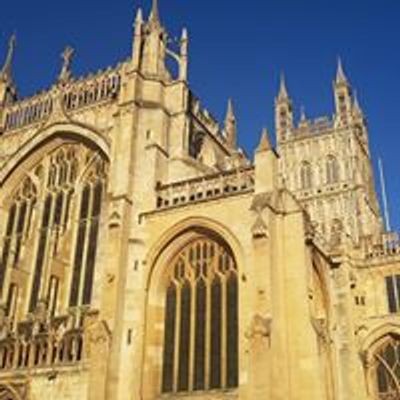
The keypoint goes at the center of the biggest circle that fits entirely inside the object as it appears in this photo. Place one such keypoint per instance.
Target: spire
(230, 125)
(139, 17)
(283, 93)
(6, 71)
(265, 142)
(230, 114)
(303, 117)
(356, 106)
(154, 18)
(340, 75)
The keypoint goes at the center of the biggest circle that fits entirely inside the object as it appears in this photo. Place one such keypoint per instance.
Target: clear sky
(238, 49)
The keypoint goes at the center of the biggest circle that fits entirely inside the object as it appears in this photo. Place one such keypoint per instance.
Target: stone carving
(97, 336)
(260, 228)
(320, 326)
(260, 327)
(66, 74)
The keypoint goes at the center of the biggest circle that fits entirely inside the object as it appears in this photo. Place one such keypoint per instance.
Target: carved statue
(65, 74)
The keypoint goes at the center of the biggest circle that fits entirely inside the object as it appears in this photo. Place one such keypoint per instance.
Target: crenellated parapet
(206, 188)
(78, 94)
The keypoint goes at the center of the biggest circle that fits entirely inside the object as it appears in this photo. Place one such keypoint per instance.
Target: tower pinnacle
(283, 93)
(6, 71)
(154, 18)
(340, 75)
(230, 126)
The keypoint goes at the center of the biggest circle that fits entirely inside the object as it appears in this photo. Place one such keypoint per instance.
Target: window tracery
(387, 370)
(332, 170)
(306, 176)
(40, 224)
(201, 319)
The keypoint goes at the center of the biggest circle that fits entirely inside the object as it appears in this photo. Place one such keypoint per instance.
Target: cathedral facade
(144, 256)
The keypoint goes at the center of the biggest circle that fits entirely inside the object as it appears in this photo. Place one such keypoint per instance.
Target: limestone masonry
(143, 256)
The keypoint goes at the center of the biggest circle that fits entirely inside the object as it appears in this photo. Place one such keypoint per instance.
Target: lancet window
(87, 236)
(201, 319)
(58, 192)
(332, 170)
(306, 176)
(18, 226)
(387, 370)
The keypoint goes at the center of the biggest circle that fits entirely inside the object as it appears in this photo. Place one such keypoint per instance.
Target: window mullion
(207, 358)
(223, 331)
(85, 248)
(192, 333)
(177, 336)
(46, 270)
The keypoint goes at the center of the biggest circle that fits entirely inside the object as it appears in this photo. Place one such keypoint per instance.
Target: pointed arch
(49, 138)
(380, 351)
(192, 306)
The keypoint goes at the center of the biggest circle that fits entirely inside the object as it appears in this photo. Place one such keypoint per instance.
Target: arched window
(87, 237)
(387, 370)
(201, 319)
(59, 189)
(18, 226)
(306, 176)
(332, 170)
(42, 214)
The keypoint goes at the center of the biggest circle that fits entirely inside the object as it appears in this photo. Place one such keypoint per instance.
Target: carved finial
(139, 17)
(65, 74)
(356, 106)
(283, 93)
(6, 71)
(154, 18)
(230, 126)
(265, 143)
(340, 75)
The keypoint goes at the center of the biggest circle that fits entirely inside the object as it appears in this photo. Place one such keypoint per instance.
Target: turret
(154, 46)
(8, 92)
(150, 48)
(184, 54)
(231, 126)
(343, 97)
(283, 113)
(266, 165)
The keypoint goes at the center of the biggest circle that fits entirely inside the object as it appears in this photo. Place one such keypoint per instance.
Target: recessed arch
(380, 367)
(48, 139)
(184, 227)
(8, 393)
(180, 242)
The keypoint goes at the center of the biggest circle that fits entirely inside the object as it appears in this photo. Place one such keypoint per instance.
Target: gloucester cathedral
(144, 256)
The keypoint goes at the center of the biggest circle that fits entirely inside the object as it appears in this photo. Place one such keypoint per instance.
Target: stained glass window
(201, 320)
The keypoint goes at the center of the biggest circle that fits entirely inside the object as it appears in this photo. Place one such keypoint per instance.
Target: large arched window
(201, 319)
(41, 231)
(306, 176)
(332, 170)
(387, 370)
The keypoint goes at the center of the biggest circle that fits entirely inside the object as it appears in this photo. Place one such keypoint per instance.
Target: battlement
(388, 246)
(205, 188)
(76, 94)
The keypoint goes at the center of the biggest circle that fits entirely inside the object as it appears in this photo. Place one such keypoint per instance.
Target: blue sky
(237, 49)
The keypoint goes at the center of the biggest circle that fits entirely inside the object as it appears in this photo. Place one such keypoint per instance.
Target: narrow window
(392, 289)
(41, 253)
(7, 243)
